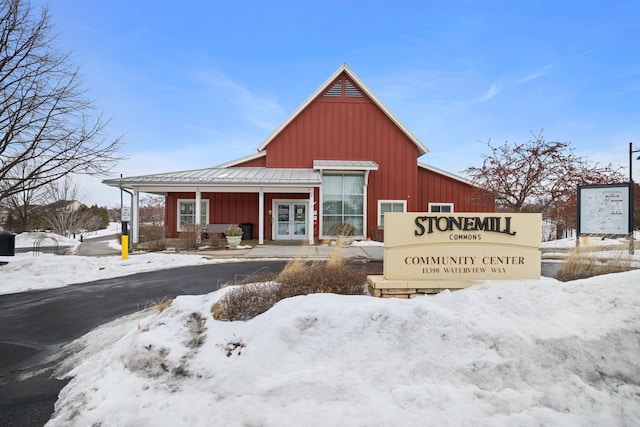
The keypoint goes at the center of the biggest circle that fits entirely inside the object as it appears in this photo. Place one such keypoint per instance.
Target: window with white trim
(342, 203)
(187, 212)
(389, 206)
(441, 207)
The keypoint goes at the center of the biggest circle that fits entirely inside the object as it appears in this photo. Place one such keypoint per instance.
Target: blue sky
(193, 84)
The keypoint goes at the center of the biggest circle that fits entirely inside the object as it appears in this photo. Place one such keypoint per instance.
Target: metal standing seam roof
(227, 176)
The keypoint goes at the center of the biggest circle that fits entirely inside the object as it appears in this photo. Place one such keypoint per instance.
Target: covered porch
(231, 196)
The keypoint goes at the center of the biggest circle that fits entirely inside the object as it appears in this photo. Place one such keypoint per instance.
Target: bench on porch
(215, 233)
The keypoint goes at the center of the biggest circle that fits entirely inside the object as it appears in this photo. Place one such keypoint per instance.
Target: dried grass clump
(323, 277)
(161, 304)
(582, 263)
(245, 302)
(291, 271)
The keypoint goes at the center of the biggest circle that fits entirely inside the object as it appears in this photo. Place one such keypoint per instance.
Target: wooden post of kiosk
(126, 217)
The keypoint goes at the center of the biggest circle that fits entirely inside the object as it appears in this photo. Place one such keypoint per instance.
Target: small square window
(389, 206)
(441, 207)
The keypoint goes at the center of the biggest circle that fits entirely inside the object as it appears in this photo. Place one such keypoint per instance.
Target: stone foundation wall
(403, 293)
(383, 288)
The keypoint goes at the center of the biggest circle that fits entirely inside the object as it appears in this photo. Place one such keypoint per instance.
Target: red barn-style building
(342, 157)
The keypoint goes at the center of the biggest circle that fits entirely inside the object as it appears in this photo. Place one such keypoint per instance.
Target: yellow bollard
(125, 247)
(585, 240)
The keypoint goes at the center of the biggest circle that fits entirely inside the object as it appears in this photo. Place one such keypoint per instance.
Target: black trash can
(247, 230)
(7, 243)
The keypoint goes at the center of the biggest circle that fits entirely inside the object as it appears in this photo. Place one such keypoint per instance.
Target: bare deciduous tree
(62, 212)
(23, 205)
(538, 174)
(151, 210)
(48, 129)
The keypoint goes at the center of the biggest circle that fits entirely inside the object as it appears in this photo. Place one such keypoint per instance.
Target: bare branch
(538, 174)
(48, 129)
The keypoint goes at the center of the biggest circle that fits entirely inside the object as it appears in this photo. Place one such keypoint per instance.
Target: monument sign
(434, 251)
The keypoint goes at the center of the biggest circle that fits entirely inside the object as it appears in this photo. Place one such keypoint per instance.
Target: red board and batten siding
(351, 129)
(228, 208)
(224, 208)
(438, 188)
(253, 163)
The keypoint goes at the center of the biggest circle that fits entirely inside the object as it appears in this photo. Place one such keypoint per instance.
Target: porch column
(365, 232)
(135, 217)
(261, 217)
(310, 229)
(198, 222)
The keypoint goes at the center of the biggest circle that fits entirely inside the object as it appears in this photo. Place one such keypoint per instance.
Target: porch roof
(243, 176)
(345, 164)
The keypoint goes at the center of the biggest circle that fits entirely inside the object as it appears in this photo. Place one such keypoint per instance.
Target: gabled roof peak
(349, 90)
(343, 87)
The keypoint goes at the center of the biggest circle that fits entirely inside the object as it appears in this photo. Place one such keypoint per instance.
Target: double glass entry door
(291, 221)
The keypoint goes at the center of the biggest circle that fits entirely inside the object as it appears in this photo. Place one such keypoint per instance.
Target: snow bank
(524, 353)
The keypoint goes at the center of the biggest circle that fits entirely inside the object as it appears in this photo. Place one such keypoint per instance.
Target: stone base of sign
(383, 288)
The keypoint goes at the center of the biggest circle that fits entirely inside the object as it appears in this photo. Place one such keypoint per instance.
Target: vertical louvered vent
(351, 91)
(336, 90)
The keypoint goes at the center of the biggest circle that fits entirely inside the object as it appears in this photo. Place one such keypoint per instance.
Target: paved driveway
(36, 324)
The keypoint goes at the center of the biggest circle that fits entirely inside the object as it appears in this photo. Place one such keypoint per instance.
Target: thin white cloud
(260, 110)
(202, 129)
(493, 91)
(536, 74)
(505, 84)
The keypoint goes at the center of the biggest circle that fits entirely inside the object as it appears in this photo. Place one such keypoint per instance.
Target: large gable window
(390, 206)
(342, 203)
(187, 213)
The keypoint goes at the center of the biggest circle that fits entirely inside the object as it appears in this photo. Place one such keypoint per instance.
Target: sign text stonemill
(495, 224)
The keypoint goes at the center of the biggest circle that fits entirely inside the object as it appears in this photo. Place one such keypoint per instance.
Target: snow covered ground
(526, 353)
(25, 272)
